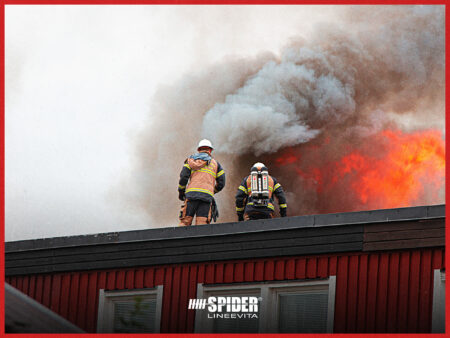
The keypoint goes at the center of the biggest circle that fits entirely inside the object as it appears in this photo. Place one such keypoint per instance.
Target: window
(300, 309)
(284, 307)
(438, 316)
(224, 325)
(136, 311)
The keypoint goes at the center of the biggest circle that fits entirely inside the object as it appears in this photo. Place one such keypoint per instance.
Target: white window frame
(438, 315)
(105, 316)
(268, 311)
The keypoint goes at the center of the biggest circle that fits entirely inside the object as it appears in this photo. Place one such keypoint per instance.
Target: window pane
(136, 316)
(303, 313)
(438, 315)
(237, 325)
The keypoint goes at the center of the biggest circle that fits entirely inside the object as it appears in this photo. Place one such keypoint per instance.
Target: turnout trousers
(198, 208)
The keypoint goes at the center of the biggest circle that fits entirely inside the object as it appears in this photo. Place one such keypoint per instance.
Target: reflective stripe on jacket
(249, 186)
(244, 202)
(200, 180)
(203, 176)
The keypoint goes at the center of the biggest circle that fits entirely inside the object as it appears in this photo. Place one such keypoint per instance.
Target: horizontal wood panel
(299, 241)
(186, 258)
(185, 242)
(189, 249)
(404, 244)
(403, 234)
(407, 225)
(219, 229)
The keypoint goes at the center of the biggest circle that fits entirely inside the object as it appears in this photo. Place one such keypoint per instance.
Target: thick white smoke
(385, 62)
(271, 110)
(262, 116)
(381, 66)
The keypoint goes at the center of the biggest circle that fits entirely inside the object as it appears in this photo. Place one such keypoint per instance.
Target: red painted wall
(376, 292)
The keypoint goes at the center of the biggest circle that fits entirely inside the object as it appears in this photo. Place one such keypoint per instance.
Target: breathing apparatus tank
(259, 184)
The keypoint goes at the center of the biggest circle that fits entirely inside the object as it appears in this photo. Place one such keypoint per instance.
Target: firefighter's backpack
(260, 186)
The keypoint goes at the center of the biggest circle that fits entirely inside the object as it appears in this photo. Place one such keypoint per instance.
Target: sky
(80, 81)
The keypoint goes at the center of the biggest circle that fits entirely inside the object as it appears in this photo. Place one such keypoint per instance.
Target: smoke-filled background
(350, 117)
(344, 104)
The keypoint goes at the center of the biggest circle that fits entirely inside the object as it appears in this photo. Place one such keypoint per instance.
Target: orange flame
(398, 178)
(395, 169)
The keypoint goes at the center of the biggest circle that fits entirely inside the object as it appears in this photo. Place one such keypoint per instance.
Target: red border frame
(222, 2)
(193, 2)
(2, 165)
(447, 170)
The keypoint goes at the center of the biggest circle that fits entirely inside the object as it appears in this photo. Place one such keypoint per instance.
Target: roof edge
(322, 220)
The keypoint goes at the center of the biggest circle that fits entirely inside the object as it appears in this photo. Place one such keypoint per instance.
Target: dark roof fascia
(223, 229)
(394, 229)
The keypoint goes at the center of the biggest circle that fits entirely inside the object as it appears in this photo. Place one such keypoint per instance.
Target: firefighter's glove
(240, 217)
(181, 195)
(283, 212)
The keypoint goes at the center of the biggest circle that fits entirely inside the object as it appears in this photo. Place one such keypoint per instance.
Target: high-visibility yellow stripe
(240, 209)
(249, 191)
(243, 189)
(276, 186)
(203, 170)
(200, 190)
(283, 205)
(220, 173)
(187, 166)
(181, 186)
(208, 171)
(270, 205)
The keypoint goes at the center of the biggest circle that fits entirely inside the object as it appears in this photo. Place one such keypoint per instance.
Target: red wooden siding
(376, 292)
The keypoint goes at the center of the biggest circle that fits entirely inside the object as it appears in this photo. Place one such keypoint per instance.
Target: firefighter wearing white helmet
(205, 144)
(201, 177)
(254, 198)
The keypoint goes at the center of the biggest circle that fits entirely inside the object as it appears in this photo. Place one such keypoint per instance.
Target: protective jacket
(201, 179)
(244, 202)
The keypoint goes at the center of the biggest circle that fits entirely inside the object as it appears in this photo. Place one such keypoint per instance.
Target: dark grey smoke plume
(381, 67)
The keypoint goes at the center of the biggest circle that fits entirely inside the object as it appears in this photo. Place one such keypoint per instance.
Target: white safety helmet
(259, 165)
(205, 143)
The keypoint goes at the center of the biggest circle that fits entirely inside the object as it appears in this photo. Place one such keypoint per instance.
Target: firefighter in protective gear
(201, 177)
(259, 204)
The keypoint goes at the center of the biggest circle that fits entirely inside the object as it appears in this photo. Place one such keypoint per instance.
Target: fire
(400, 177)
(391, 169)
